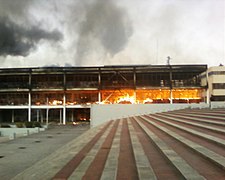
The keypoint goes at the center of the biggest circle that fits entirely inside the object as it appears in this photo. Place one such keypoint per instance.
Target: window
(47, 81)
(216, 73)
(218, 85)
(14, 99)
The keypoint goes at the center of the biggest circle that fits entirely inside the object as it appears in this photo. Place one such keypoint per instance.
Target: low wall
(217, 104)
(12, 133)
(101, 113)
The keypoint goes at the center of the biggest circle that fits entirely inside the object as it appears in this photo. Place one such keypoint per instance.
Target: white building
(214, 79)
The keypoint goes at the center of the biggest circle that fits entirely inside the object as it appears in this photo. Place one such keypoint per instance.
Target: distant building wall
(106, 112)
(216, 83)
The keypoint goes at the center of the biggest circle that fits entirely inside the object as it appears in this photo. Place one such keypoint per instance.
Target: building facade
(65, 94)
(214, 79)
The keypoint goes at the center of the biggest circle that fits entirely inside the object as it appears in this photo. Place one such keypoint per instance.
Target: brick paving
(126, 167)
(68, 169)
(22, 153)
(141, 147)
(95, 169)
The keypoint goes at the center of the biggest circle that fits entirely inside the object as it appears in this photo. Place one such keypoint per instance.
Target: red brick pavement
(68, 169)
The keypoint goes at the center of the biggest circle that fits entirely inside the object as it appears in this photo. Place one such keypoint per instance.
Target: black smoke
(19, 40)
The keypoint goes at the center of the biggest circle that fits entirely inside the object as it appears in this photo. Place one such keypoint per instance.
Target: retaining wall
(12, 133)
(218, 104)
(101, 113)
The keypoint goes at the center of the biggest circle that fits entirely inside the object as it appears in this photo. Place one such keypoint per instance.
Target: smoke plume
(105, 31)
(17, 40)
(20, 32)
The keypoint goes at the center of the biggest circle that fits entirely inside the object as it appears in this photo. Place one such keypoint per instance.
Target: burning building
(65, 94)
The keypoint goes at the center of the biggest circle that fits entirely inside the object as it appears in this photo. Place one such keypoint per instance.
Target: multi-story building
(64, 94)
(214, 79)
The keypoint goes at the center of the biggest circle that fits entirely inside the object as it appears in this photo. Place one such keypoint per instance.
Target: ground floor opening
(44, 116)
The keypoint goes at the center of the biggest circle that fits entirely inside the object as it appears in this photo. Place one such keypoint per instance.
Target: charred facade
(65, 94)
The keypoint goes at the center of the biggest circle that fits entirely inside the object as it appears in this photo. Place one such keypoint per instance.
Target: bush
(32, 124)
(36, 124)
(5, 126)
(19, 125)
(28, 124)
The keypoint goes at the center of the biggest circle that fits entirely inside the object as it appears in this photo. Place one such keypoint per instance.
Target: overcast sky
(111, 32)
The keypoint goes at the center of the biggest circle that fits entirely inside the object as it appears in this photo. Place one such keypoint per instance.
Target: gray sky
(111, 32)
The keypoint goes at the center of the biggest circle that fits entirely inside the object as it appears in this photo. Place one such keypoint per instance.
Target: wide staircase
(182, 144)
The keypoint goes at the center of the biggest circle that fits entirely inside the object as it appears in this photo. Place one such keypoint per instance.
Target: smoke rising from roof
(105, 30)
(19, 32)
(110, 32)
(15, 9)
(16, 40)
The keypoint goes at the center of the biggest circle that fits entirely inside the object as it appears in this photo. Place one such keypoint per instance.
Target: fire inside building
(65, 94)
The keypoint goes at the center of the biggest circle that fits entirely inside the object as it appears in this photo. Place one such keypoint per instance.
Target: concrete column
(38, 115)
(13, 116)
(171, 96)
(135, 96)
(99, 96)
(29, 107)
(64, 109)
(47, 110)
(60, 116)
(171, 81)
(207, 90)
(207, 96)
(72, 118)
(99, 86)
(29, 98)
(42, 118)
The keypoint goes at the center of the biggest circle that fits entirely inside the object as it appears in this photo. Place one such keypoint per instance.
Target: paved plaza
(22, 153)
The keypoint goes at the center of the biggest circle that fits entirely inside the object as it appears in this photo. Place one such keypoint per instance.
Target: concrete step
(197, 119)
(204, 111)
(141, 147)
(83, 166)
(194, 124)
(213, 115)
(212, 156)
(180, 164)
(214, 139)
(145, 170)
(111, 164)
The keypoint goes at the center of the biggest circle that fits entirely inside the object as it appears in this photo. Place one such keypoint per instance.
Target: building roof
(153, 68)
